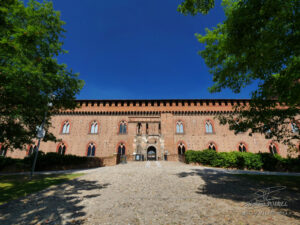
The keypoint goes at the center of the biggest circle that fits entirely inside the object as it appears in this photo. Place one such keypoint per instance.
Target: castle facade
(149, 130)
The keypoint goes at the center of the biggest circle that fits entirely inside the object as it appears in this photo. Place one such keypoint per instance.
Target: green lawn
(291, 182)
(16, 186)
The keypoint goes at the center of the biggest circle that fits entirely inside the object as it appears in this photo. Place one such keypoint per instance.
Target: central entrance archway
(151, 153)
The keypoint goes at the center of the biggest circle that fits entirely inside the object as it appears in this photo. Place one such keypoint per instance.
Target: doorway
(151, 153)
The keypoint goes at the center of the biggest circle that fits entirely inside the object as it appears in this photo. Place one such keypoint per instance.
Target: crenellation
(150, 123)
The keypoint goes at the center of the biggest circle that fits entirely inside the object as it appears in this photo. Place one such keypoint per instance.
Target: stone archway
(151, 153)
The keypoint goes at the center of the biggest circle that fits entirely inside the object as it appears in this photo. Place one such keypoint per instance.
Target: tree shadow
(58, 204)
(218, 184)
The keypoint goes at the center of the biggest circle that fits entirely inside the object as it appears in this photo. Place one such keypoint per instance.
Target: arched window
(91, 149)
(66, 127)
(212, 146)
(208, 127)
(139, 128)
(123, 128)
(242, 147)
(3, 151)
(181, 148)
(61, 149)
(121, 149)
(32, 149)
(273, 148)
(179, 127)
(295, 128)
(94, 127)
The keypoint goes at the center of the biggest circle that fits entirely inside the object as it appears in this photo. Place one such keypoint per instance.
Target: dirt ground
(155, 193)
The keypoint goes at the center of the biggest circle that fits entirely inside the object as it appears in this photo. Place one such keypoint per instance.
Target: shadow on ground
(239, 189)
(54, 205)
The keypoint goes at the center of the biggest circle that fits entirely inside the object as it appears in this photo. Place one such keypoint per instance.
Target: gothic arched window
(139, 128)
(295, 128)
(273, 148)
(181, 148)
(123, 128)
(212, 146)
(121, 149)
(208, 127)
(242, 147)
(179, 127)
(91, 149)
(32, 149)
(3, 151)
(66, 127)
(61, 149)
(94, 127)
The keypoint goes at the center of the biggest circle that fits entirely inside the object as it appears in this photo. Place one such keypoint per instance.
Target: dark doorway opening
(151, 153)
(121, 157)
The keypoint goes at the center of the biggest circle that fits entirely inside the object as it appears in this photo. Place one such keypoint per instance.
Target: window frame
(124, 146)
(87, 150)
(244, 145)
(181, 127)
(121, 131)
(91, 126)
(65, 146)
(214, 144)
(63, 126)
(212, 126)
(181, 144)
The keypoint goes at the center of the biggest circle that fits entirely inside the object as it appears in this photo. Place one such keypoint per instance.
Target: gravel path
(152, 193)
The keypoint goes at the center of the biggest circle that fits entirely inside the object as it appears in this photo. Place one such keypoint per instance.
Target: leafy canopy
(258, 41)
(30, 42)
(194, 7)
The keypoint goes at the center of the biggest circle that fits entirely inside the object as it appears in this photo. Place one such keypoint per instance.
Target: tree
(30, 41)
(194, 7)
(257, 42)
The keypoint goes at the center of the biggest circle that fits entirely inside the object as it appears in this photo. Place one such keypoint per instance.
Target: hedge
(243, 160)
(49, 161)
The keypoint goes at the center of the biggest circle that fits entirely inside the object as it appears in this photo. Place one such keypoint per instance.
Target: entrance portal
(151, 153)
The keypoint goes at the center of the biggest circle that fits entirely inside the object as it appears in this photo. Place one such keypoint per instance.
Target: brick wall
(109, 114)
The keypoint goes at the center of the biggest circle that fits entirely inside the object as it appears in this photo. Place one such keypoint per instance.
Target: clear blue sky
(135, 49)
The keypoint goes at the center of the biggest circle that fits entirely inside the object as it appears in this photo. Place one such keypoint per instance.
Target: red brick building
(156, 129)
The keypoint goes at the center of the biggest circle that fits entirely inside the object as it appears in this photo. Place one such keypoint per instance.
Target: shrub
(242, 160)
(7, 161)
(190, 156)
(207, 156)
(50, 161)
(269, 161)
(252, 161)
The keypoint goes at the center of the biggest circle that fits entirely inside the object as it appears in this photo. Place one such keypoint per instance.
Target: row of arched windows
(94, 127)
(241, 147)
(91, 149)
(208, 127)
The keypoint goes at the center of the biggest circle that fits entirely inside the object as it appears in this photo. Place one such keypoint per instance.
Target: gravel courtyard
(151, 193)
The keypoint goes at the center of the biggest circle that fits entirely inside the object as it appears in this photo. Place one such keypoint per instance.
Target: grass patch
(291, 182)
(16, 186)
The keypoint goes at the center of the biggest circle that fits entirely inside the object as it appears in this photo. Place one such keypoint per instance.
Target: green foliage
(252, 161)
(269, 161)
(257, 42)
(194, 7)
(50, 161)
(243, 160)
(30, 42)
(6, 162)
